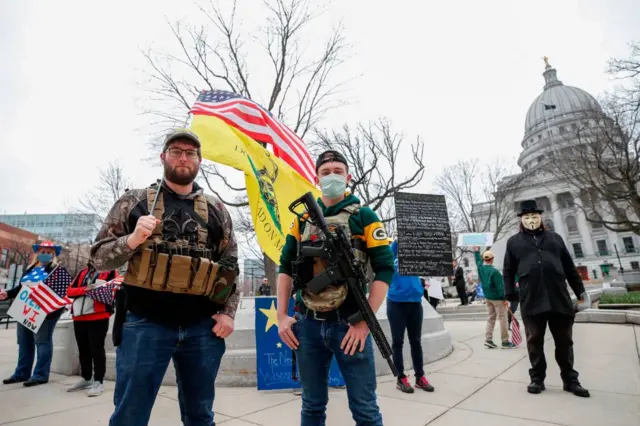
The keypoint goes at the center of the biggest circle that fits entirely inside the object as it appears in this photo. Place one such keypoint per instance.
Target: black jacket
(543, 264)
(459, 277)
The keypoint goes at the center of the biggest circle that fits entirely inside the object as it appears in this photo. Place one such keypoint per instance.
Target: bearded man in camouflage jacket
(180, 297)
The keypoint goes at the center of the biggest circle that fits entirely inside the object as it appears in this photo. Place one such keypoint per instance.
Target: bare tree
(111, 186)
(373, 154)
(74, 256)
(297, 85)
(480, 198)
(600, 160)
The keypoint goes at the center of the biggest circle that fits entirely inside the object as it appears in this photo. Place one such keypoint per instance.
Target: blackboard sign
(424, 235)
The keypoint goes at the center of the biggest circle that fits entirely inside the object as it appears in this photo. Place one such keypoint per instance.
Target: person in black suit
(458, 281)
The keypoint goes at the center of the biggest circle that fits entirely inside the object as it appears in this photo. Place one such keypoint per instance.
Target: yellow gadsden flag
(272, 185)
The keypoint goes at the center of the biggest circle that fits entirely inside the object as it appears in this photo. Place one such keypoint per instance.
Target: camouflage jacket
(110, 250)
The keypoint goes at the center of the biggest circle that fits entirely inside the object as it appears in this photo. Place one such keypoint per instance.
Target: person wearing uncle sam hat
(44, 263)
(540, 259)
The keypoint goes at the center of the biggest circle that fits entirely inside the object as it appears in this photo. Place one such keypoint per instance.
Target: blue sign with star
(274, 359)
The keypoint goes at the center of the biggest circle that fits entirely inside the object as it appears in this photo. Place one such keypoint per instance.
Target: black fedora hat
(529, 206)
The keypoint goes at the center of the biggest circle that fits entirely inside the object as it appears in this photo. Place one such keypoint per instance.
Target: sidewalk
(474, 386)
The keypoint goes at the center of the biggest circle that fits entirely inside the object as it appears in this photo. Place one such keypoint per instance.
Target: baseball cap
(181, 133)
(488, 255)
(329, 156)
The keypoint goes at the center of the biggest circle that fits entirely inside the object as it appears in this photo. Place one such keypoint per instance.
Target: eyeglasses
(192, 154)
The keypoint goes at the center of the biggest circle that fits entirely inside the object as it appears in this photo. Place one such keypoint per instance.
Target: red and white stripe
(48, 300)
(256, 123)
(516, 337)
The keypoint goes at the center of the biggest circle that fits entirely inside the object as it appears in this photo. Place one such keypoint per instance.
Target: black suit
(543, 265)
(458, 280)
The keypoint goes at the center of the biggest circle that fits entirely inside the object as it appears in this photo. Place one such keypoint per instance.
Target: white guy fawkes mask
(531, 221)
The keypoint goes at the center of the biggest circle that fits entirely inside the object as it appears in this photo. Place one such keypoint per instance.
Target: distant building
(16, 245)
(552, 120)
(68, 228)
(253, 274)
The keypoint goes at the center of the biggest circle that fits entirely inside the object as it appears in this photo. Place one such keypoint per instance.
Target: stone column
(558, 222)
(585, 232)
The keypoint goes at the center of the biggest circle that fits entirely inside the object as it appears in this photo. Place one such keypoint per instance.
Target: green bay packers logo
(380, 234)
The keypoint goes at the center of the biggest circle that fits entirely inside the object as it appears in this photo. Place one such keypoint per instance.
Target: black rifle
(343, 267)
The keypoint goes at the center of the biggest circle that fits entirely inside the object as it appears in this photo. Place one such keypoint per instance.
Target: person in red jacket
(90, 323)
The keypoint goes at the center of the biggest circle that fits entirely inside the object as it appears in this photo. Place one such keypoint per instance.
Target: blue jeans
(142, 359)
(406, 315)
(319, 342)
(28, 343)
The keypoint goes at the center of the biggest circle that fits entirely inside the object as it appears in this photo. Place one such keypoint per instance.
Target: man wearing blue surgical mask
(321, 329)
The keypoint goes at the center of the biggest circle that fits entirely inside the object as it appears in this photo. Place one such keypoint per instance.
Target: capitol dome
(558, 101)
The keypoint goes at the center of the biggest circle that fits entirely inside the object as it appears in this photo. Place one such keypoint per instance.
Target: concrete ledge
(608, 317)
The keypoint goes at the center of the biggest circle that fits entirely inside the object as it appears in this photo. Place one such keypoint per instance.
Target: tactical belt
(329, 316)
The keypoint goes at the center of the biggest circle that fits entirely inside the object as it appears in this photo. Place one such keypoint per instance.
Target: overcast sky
(461, 74)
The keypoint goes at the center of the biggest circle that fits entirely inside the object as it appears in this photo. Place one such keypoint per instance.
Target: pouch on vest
(160, 272)
(140, 270)
(179, 273)
(211, 278)
(200, 279)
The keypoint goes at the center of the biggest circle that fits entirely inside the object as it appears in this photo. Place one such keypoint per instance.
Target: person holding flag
(48, 281)
(164, 233)
(90, 325)
(493, 289)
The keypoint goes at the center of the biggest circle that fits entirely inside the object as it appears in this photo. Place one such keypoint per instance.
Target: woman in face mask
(45, 261)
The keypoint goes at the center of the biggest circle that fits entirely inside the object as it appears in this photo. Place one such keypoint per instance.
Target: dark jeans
(28, 343)
(142, 359)
(319, 342)
(90, 337)
(406, 315)
(561, 327)
(462, 294)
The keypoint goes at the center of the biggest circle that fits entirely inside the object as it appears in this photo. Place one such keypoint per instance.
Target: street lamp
(618, 255)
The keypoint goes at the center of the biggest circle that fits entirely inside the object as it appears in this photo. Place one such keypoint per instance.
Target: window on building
(3, 257)
(572, 225)
(629, 247)
(635, 266)
(574, 126)
(577, 250)
(602, 248)
(562, 129)
(539, 137)
(465, 262)
(540, 158)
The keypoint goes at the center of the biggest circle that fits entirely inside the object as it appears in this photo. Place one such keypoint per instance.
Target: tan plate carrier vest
(177, 273)
(334, 295)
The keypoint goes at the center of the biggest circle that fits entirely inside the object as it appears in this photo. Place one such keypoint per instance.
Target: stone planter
(238, 367)
(632, 280)
(622, 306)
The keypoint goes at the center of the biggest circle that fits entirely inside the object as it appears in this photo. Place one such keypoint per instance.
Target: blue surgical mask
(333, 186)
(45, 258)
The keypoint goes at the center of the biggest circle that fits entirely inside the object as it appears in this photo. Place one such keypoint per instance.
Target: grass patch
(609, 299)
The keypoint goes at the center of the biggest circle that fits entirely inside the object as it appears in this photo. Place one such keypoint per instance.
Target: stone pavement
(474, 386)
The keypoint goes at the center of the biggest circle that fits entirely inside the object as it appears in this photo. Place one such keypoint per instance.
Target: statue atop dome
(546, 62)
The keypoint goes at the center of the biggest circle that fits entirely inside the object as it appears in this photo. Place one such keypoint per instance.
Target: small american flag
(51, 293)
(257, 123)
(516, 337)
(36, 275)
(106, 292)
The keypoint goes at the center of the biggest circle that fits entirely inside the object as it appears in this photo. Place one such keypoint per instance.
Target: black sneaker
(489, 344)
(577, 390)
(508, 345)
(11, 380)
(535, 387)
(403, 385)
(34, 382)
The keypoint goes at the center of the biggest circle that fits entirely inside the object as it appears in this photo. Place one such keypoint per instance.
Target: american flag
(516, 337)
(257, 123)
(36, 275)
(106, 292)
(51, 292)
